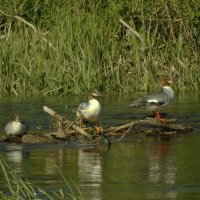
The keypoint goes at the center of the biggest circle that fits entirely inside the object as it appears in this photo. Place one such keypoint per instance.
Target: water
(136, 168)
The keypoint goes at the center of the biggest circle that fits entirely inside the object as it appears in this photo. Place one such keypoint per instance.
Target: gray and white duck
(16, 126)
(90, 111)
(156, 101)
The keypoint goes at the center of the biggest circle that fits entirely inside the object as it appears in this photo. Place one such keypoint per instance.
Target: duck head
(166, 82)
(94, 93)
(167, 89)
(16, 118)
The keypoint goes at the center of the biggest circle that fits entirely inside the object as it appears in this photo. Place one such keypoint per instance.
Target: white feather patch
(167, 87)
(152, 101)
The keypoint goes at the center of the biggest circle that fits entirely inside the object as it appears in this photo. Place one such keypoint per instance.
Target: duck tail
(136, 104)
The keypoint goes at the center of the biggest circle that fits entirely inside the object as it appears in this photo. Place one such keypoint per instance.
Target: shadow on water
(134, 168)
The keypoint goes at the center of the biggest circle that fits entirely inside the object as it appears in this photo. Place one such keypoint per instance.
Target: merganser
(15, 127)
(90, 111)
(155, 101)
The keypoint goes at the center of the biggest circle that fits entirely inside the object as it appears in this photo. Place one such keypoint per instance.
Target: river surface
(134, 168)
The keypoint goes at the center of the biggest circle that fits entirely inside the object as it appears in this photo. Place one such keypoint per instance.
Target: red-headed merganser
(91, 110)
(15, 127)
(155, 101)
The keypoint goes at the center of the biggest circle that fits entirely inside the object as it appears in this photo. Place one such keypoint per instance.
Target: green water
(135, 168)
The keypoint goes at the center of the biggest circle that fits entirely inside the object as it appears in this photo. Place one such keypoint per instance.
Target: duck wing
(157, 99)
(83, 106)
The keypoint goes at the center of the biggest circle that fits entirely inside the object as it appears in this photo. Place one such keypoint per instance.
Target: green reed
(23, 190)
(68, 47)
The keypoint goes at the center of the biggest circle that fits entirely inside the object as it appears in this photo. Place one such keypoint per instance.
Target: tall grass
(67, 47)
(24, 190)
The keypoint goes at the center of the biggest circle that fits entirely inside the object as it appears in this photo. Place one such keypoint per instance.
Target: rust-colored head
(166, 82)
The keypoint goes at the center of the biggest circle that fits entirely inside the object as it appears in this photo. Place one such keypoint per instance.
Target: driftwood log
(147, 126)
(65, 130)
(64, 125)
(150, 127)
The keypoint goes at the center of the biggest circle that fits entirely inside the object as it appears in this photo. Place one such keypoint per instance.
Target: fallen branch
(31, 26)
(66, 130)
(132, 30)
(35, 30)
(170, 125)
(63, 119)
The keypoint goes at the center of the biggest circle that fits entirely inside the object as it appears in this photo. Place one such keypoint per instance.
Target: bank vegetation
(68, 47)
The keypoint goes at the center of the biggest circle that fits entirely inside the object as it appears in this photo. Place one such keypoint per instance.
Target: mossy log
(65, 130)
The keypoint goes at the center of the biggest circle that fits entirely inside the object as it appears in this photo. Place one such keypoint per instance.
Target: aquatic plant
(67, 47)
(22, 189)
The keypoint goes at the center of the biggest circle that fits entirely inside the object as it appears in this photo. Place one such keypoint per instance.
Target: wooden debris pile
(151, 127)
(64, 130)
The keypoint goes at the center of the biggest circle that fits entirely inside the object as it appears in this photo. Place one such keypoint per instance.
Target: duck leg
(98, 128)
(158, 117)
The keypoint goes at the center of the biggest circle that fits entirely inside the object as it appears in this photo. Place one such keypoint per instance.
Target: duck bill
(170, 81)
(97, 94)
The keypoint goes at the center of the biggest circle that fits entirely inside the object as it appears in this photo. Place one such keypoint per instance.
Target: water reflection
(90, 172)
(132, 170)
(162, 168)
(16, 155)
